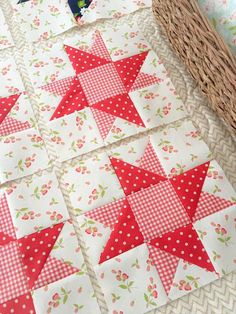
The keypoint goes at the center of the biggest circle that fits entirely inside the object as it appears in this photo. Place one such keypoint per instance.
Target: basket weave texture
(204, 52)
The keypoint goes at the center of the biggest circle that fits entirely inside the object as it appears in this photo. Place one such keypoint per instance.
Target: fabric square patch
(131, 283)
(12, 274)
(92, 183)
(36, 203)
(69, 143)
(35, 26)
(10, 78)
(16, 114)
(105, 76)
(98, 10)
(180, 147)
(22, 154)
(158, 210)
(218, 234)
(48, 65)
(73, 294)
(5, 36)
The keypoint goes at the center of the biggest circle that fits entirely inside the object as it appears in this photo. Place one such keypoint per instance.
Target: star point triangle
(74, 100)
(82, 60)
(35, 249)
(129, 68)
(132, 178)
(144, 80)
(6, 104)
(166, 265)
(99, 48)
(120, 106)
(125, 235)
(104, 121)
(188, 186)
(184, 243)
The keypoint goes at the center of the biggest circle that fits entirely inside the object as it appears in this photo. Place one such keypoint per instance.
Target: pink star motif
(103, 85)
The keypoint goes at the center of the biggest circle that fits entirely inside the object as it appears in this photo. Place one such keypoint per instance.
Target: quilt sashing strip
(6, 40)
(155, 233)
(136, 93)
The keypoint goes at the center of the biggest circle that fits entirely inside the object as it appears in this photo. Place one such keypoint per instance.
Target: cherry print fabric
(5, 36)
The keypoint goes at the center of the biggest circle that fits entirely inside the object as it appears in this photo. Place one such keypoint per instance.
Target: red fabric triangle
(120, 106)
(209, 204)
(132, 178)
(7, 232)
(52, 271)
(59, 87)
(107, 214)
(6, 104)
(144, 80)
(83, 61)
(151, 162)
(125, 236)
(99, 48)
(188, 186)
(166, 265)
(35, 249)
(74, 100)
(104, 121)
(129, 68)
(184, 243)
(20, 305)
(11, 125)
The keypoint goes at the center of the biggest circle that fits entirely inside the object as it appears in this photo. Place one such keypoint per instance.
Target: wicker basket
(207, 57)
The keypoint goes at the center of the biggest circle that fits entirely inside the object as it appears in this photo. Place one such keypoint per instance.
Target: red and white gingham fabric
(150, 161)
(107, 214)
(104, 121)
(144, 80)
(209, 204)
(99, 48)
(101, 83)
(6, 224)
(11, 125)
(59, 87)
(166, 265)
(158, 210)
(53, 270)
(12, 277)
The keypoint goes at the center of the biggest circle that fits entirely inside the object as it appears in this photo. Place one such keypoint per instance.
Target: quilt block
(168, 229)
(136, 93)
(45, 265)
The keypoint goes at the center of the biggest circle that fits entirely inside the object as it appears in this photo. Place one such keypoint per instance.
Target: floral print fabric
(222, 14)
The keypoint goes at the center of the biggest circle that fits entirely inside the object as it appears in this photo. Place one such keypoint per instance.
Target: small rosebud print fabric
(35, 26)
(5, 36)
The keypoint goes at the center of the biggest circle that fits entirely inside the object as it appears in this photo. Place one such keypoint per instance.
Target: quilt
(101, 169)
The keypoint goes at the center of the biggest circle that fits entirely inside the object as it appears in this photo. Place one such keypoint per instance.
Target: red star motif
(160, 212)
(103, 85)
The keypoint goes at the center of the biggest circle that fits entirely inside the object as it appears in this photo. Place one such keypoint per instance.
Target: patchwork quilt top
(156, 214)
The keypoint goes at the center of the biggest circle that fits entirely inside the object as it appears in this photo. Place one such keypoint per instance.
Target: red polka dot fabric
(74, 100)
(133, 179)
(6, 104)
(20, 305)
(188, 186)
(35, 250)
(120, 106)
(184, 243)
(83, 61)
(129, 68)
(125, 236)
